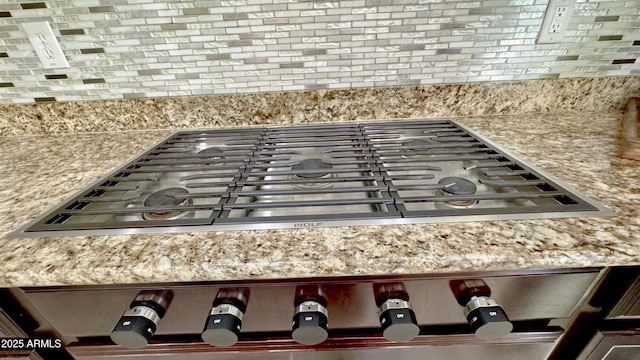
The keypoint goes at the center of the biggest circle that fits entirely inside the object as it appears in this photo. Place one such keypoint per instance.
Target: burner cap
(312, 164)
(166, 197)
(416, 144)
(213, 153)
(458, 186)
(415, 148)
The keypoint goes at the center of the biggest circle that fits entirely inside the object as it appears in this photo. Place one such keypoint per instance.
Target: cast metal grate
(344, 174)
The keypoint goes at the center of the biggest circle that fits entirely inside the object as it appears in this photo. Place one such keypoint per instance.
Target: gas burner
(310, 169)
(457, 186)
(214, 154)
(166, 197)
(410, 147)
(312, 164)
(325, 175)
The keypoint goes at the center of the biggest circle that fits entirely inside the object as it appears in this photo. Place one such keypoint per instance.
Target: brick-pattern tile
(135, 48)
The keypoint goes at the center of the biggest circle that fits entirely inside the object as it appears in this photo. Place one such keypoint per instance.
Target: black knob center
(138, 324)
(135, 328)
(487, 319)
(223, 326)
(310, 323)
(398, 320)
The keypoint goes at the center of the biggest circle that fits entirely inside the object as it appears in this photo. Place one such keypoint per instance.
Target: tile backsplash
(145, 48)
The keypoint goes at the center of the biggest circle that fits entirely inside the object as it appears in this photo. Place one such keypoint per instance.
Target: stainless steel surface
(159, 298)
(219, 337)
(130, 337)
(398, 172)
(478, 302)
(397, 331)
(394, 304)
(623, 352)
(227, 309)
(532, 351)
(8, 328)
(145, 312)
(310, 335)
(83, 317)
(613, 345)
(312, 306)
(306, 330)
(534, 295)
(629, 305)
(525, 346)
(15, 356)
(223, 336)
(495, 326)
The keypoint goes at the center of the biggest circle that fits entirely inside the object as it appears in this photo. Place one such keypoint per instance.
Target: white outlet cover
(45, 44)
(546, 36)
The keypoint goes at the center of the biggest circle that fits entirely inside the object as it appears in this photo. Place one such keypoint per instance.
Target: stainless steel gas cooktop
(372, 173)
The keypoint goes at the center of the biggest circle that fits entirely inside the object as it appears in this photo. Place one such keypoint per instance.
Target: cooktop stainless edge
(396, 162)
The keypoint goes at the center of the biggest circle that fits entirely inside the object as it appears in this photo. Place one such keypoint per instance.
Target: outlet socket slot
(556, 21)
(45, 44)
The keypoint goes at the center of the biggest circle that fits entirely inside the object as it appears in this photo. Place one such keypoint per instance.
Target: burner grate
(344, 174)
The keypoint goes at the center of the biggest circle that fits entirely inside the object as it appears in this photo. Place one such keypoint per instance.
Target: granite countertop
(579, 148)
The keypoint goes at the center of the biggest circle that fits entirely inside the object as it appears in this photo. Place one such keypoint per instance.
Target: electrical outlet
(46, 45)
(556, 21)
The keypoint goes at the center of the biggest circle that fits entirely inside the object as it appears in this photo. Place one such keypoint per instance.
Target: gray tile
(93, 81)
(174, 26)
(316, 86)
(411, 47)
(256, 60)
(314, 51)
(453, 26)
(45, 99)
(606, 18)
(291, 65)
(92, 51)
(252, 35)
(482, 11)
(56, 77)
(623, 61)
(218, 56)
(150, 72)
(101, 9)
(198, 41)
(235, 16)
(196, 11)
(548, 76)
(33, 5)
(238, 43)
(449, 51)
(610, 37)
(72, 32)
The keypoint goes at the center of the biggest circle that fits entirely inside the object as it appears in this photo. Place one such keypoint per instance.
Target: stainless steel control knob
(223, 325)
(225, 319)
(309, 325)
(138, 324)
(487, 319)
(398, 321)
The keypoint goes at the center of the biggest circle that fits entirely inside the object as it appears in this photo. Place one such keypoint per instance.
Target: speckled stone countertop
(303, 107)
(579, 148)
